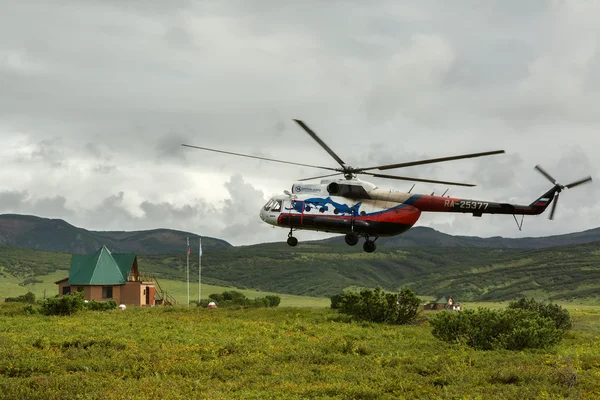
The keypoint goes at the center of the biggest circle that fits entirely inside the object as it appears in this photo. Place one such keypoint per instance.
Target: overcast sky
(97, 96)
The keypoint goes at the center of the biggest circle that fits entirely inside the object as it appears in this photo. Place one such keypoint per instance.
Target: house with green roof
(443, 304)
(104, 276)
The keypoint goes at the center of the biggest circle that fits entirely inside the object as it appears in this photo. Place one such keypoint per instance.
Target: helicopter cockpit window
(267, 206)
(277, 206)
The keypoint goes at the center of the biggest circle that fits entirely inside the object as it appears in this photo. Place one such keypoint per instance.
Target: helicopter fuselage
(357, 208)
(354, 206)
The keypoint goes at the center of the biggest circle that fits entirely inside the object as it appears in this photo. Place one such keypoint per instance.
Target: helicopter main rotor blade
(260, 158)
(318, 140)
(404, 178)
(321, 176)
(546, 174)
(433, 160)
(579, 182)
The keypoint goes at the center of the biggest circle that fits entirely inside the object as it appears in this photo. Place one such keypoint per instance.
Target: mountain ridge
(57, 235)
(53, 234)
(423, 236)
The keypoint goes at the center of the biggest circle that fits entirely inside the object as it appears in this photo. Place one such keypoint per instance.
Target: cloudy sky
(97, 96)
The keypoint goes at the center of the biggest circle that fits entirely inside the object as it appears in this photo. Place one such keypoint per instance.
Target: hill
(430, 262)
(422, 236)
(26, 231)
(33, 232)
(469, 274)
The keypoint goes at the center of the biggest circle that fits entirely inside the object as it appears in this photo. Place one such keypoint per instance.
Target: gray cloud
(97, 97)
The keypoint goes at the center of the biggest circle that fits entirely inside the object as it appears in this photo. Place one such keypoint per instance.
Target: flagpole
(188, 271)
(199, 270)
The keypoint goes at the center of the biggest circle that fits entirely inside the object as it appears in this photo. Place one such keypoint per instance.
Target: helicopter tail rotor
(553, 194)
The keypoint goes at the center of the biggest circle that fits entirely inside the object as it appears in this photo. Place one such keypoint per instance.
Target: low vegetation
(235, 299)
(378, 306)
(28, 297)
(485, 329)
(560, 316)
(524, 324)
(292, 353)
(69, 305)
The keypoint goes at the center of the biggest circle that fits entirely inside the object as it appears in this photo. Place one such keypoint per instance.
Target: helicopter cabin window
(267, 206)
(277, 206)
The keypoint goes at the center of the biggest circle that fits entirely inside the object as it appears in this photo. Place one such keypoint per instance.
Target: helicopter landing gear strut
(292, 241)
(369, 246)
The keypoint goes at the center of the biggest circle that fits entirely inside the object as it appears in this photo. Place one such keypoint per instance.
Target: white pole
(199, 270)
(188, 271)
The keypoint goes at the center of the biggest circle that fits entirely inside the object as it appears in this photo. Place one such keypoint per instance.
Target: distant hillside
(474, 274)
(427, 237)
(32, 232)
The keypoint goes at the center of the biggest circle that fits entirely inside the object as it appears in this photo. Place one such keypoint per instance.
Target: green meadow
(10, 287)
(287, 353)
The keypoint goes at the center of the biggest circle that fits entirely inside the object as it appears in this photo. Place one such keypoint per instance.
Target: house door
(147, 294)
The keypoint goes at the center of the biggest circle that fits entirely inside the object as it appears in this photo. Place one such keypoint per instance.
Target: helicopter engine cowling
(333, 188)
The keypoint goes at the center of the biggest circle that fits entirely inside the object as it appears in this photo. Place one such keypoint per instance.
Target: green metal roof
(100, 268)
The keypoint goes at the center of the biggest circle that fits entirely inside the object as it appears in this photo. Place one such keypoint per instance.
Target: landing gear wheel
(351, 239)
(369, 246)
(292, 241)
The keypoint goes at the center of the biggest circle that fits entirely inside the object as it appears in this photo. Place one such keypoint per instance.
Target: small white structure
(211, 305)
(122, 306)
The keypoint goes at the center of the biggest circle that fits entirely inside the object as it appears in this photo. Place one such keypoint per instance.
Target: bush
(511, 329)
(100, 305)
(232, 299)
(230, 296)
(64, 305)
(560, 316)
(336, 299)
(378, 306)
(29, 297)
(273, 300)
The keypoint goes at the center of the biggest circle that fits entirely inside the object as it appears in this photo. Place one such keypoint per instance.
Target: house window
(66, 290)
(107, 292)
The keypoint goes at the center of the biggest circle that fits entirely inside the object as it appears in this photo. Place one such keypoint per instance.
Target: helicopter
(358, 208)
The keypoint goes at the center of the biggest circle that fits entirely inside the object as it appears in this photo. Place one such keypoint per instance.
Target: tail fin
(542, 202)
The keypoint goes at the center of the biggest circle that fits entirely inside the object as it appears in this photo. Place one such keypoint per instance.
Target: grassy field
(178, 290)
(9, 287)
(288, 353)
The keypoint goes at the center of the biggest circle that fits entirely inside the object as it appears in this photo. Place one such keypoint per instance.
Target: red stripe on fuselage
(407, 215)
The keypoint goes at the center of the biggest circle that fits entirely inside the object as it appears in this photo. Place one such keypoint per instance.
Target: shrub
(100, 305)
(511, 329)
(232, 299)
(560, 316)
(64, 305)
(273, 300)
(29, 297)
(378, 306)
(230, 296)
(336, 299)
